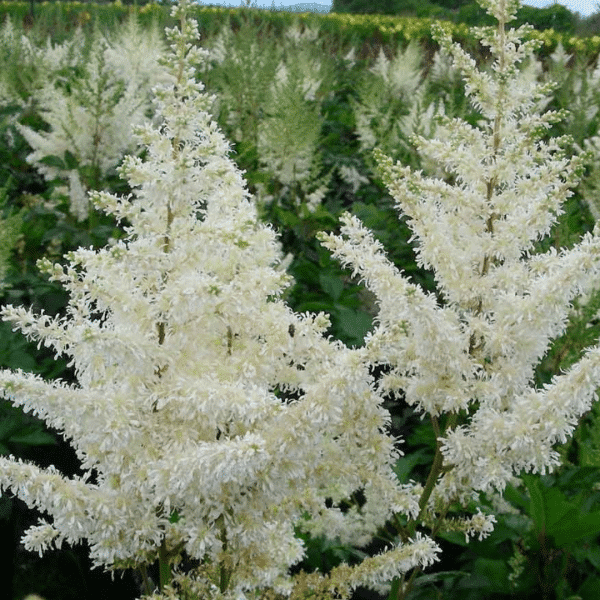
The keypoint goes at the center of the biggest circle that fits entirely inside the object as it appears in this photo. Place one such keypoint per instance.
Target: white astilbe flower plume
(390, 100)
(209, 419)
(92, 114)
(466, 358)
(288, 138)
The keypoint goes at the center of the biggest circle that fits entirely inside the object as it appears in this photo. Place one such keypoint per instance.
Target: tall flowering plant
(91, 107)
(210, 420)
(465, 358)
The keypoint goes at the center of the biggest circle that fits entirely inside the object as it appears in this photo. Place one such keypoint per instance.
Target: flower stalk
(473, 353)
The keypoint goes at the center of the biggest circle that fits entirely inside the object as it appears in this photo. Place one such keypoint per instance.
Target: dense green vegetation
(555, 16)
(306, 149)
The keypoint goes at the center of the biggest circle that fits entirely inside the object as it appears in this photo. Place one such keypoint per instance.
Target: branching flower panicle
(92, 114)
(210, 420)
(467, 358)
(213, 423)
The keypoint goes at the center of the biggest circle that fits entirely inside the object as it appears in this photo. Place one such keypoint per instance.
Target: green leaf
(442, 575)
(70, 160)
(537, 510)
(590, 587)
(579, 477)
(405, 464)
(488, 575)
(575, 527)
(558, 507)
(53, 161)
(558, 517)
(516, 498)
(591, 553)
(20, 359)
(454, 537)
(35, 437)
(314, 306)
(332, 285)
(355, 324)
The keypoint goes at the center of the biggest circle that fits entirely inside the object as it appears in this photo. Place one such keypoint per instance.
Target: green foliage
(10, 230)
(386, 7)
(323, 554)
(451, 4)
(554, 16)
(246, 61)
(18, 430)
(586, 441)
(544, 545)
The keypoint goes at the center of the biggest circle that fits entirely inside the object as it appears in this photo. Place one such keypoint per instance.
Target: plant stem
(224, 571)
(145, 580)
(399, 591)
(164, 568)
(436, 470)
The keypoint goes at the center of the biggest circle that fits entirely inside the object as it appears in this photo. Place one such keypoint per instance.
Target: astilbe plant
(271, 102)
(397, 99)
(465, 358)
(91, 108)
(289, 134)
(243, 66)
(210, 419)
(385, 92)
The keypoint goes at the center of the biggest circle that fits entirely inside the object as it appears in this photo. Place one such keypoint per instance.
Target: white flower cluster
(394, 102)
(92, 108)
(211, 421)
(471, 352)
(208, 417)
